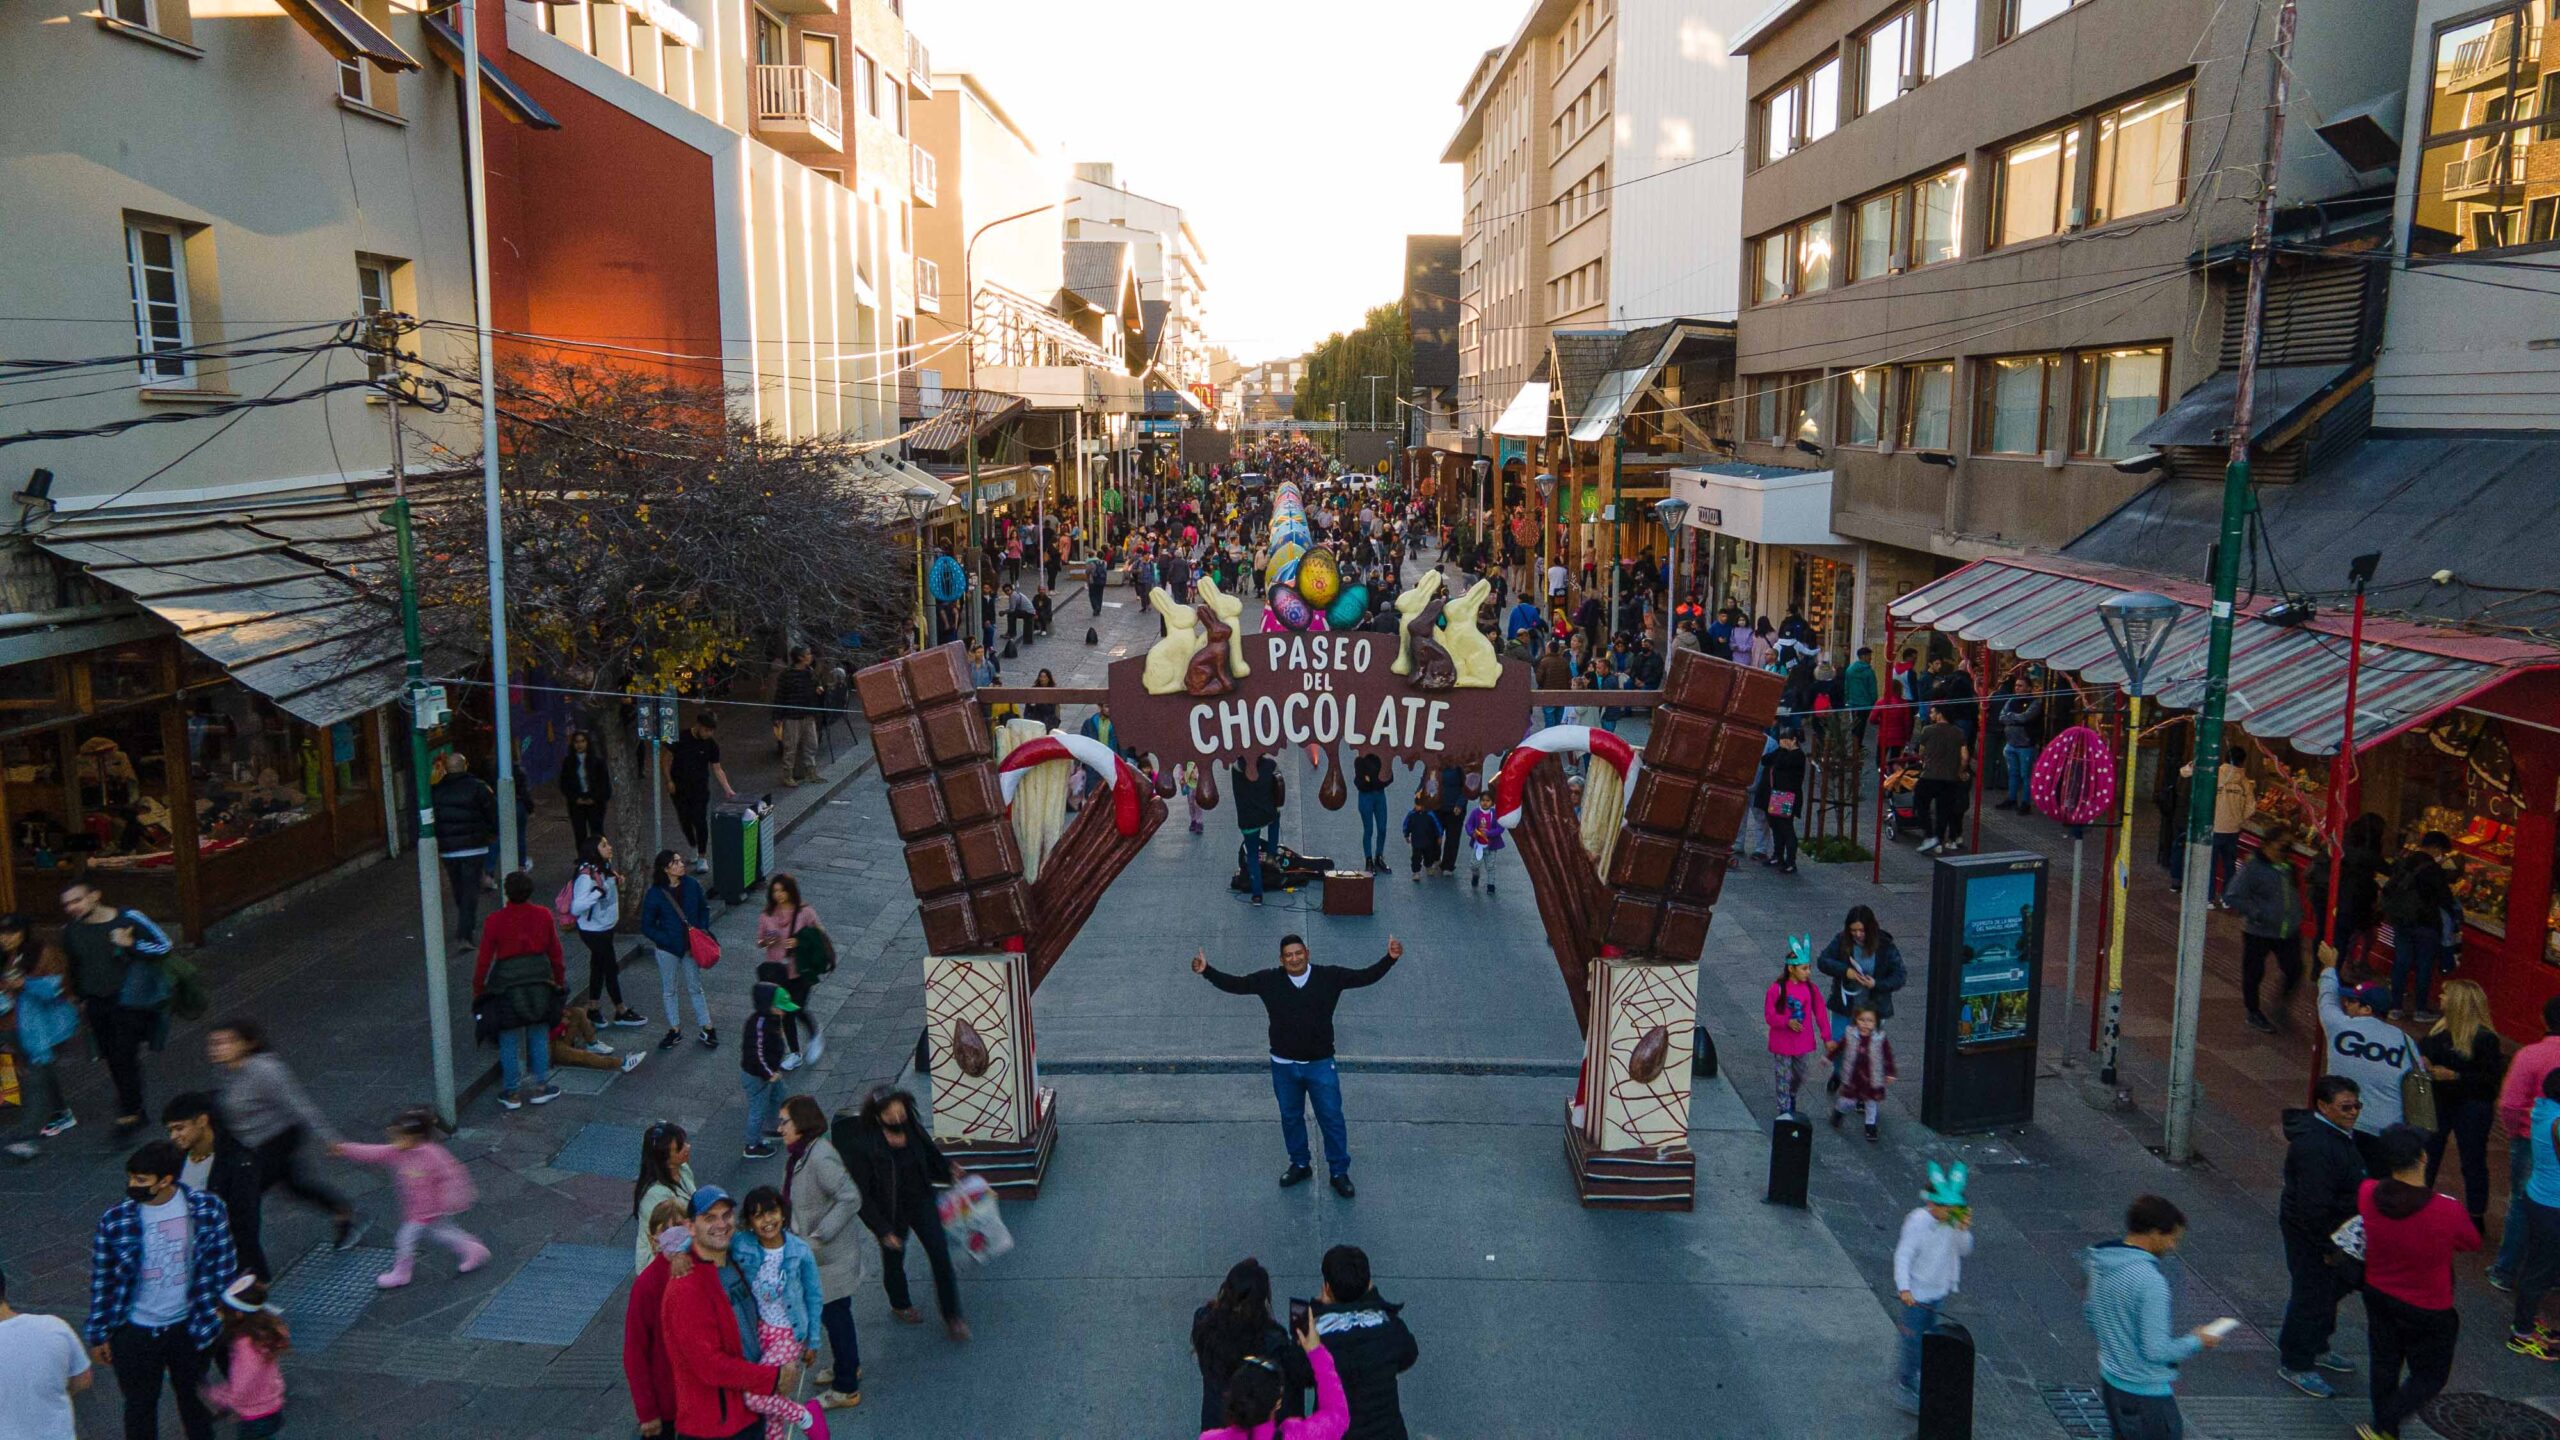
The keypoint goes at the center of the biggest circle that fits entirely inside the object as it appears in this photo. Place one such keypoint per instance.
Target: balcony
(799, 110)
(919, 67)
(799, 7)
(2485, 175)
(2484, 61)
(926, 177)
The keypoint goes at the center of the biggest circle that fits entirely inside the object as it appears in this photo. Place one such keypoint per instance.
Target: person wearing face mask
(157, 1268)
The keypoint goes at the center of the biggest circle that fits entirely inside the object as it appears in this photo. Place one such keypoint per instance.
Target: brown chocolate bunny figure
(1432, 667)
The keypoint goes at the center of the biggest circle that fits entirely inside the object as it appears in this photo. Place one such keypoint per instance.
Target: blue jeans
(2226, 858)
(1256, 841)
(2414, 949)
(2022, 769)
(1296, 1082)
(1915, 1321)
(2511, 1245)
(515, 1047)
(764, 1101)
(1373, 824)
(836, 1318)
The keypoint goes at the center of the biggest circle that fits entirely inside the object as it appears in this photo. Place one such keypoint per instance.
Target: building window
(2141, 158)
(1917, 43)
(773, 42)
(1786, 407)
(2120, 391)
(1927, 403)
(375, 296)
(1793, 261)
(156, 266)
(2017, 17)
(866, 82)
(2035, 188)
(1583, 200)
(1937, 227)
(2018, 405)
(1876, 228)
(1862, 406)
(928, 285)
(355, 82)
(2491, 103)
(1800, 112)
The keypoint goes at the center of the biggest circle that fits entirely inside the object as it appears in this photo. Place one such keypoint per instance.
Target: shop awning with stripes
(2288, 682)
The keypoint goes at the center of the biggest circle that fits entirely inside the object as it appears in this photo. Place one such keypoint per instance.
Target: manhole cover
(2469, 1416)
(2077, 1408)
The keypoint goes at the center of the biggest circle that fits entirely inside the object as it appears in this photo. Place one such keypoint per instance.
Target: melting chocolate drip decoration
(1332, 792)
(969, 1049)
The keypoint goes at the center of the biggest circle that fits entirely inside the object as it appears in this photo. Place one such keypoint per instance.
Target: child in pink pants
(434, 1187)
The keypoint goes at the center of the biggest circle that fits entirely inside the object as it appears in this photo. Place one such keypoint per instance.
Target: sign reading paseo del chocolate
(1205, 692)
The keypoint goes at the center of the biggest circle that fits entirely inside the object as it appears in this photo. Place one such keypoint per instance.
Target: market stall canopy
(294, 602)
(2288, 683)
(1525, 418)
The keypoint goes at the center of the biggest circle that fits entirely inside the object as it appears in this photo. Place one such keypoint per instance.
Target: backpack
(562, 910)
(813, 952)
(2402, 903)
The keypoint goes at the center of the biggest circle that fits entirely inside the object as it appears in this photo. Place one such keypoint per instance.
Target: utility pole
(426, 705)
(502, 688)
(2178, 1145)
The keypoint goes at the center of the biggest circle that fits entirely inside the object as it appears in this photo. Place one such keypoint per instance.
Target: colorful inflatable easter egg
(1292, 612)
(1349, 608)
(1283, 566)
(1319, 579)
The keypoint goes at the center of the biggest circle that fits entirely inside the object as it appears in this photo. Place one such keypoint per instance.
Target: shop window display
(119, 794)
(2459, 779)
(256, 769)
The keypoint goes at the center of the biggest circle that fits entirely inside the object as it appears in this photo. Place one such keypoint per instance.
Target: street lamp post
(969, 314)
(917, 501)
(1546, 483)
(1674, 512)
(1483, 495)
(2138, 624)
(510, 843)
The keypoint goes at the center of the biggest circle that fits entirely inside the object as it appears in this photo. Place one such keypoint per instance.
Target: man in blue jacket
(157, 1266)
(2128, 1307)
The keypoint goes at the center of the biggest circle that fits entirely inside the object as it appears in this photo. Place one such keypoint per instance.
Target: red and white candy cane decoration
(1513, 781)
(1127, 793)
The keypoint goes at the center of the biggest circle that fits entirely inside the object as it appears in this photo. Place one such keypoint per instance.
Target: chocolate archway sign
(1625, 906)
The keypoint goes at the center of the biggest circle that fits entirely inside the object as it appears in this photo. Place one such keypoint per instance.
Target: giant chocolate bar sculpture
(990, 936)
(1628, 947)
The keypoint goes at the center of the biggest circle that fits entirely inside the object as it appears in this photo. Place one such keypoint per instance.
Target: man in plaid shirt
(156, 1270)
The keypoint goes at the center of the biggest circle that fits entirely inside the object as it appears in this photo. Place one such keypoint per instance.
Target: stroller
(1902, 800)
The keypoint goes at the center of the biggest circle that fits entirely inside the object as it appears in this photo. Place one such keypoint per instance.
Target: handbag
(2418, 1098)
(2346, 1254)
(1782, 803)
(702, 946)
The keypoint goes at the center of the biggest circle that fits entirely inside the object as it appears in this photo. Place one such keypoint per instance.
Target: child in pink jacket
(254, 1338)
(1797, 1025)
(434, 1187)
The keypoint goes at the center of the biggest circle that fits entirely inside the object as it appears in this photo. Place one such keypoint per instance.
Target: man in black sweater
(2322, 1171)
(1300, 998)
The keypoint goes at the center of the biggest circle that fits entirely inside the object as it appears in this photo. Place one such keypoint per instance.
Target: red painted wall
(600, 231)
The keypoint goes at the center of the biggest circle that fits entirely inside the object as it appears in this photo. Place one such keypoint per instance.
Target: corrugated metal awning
(2288, 683)
(965, 416)
(278, 598)
(1525, 418)
(344, 32)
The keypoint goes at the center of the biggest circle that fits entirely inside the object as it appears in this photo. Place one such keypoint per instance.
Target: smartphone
(1298, 1311)
(2222, 1327)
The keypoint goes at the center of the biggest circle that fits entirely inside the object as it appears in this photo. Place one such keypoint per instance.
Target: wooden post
(182, 819)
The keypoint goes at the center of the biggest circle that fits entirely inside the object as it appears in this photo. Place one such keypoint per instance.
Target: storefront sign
(1326, 688)
(1706, 517)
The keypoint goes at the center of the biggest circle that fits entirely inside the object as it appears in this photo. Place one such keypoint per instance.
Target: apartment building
(2467, 346)
(741, 170)
(1172, 267)
(198, 203)
(1990, 242)
(1601, 148)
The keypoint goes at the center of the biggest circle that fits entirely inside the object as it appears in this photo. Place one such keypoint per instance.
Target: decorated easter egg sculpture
(1290, 609)
(1349, 608)
(1319, 579)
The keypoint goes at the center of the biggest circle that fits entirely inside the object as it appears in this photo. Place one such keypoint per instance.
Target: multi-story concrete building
(2466, 346)
(1172, 266)
(731, 187)
(1601, 148)
(1989, 244)
(198, 203)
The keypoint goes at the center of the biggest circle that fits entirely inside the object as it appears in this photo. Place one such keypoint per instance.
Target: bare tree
(654, 537)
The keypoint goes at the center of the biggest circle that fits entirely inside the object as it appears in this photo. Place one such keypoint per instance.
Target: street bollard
(1704, 1066)
(1790, 1161)
(1946, 1383)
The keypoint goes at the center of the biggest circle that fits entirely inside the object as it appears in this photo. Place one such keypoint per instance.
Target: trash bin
(739, 849)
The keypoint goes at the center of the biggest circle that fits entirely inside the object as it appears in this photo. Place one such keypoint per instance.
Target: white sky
(1303, 139)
